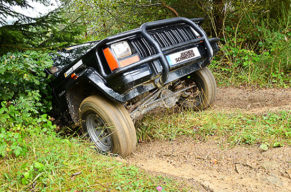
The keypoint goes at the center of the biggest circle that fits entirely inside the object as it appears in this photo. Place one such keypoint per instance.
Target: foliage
(255, 44)
(24, 95)
(18, 120)
(268, 68)
(57, 164)
(6, 10)
(106, 17)
(23, 72)
(52, 30)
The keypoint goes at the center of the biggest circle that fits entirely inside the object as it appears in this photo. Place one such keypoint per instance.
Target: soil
(209, 167)
(253, 100)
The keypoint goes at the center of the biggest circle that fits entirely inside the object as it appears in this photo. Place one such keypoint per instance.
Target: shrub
(22, 73)
(263, 65)
(23, 97)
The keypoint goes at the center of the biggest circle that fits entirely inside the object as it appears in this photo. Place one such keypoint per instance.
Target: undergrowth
(235, 128)
(58, 164)
(257, 59)
(24, 100)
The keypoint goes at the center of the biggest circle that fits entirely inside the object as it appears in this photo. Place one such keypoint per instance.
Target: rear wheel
(109, 125)
(203, 94)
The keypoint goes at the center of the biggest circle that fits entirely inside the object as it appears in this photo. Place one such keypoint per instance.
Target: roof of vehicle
(69, 54)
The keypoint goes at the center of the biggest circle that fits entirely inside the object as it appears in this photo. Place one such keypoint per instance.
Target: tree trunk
(218, 14)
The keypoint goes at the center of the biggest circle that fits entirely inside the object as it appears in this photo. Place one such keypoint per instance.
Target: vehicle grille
(165, 37)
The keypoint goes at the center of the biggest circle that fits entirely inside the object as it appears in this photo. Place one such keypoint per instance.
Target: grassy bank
(236, 127)
(56, 164)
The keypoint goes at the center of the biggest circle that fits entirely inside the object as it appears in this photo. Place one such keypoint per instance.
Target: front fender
(99, 83)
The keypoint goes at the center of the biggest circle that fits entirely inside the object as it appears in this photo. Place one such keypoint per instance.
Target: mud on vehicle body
(106, 85)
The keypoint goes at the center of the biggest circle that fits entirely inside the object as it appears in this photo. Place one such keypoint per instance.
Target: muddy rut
(209, 167)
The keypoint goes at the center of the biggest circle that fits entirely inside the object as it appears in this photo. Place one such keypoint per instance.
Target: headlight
(53, 69)
(121, 49)
(119, 55)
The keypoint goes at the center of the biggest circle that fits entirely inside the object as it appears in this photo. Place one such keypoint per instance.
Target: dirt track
(208, 167)
(253, 100)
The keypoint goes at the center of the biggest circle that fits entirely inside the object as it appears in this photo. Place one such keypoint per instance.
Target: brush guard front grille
(155, 40)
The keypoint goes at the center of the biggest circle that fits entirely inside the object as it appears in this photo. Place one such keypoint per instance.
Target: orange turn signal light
(113, 63)
(110, 59)
(74, 76)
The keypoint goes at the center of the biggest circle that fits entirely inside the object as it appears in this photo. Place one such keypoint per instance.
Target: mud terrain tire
(109, 125)
(206, 85)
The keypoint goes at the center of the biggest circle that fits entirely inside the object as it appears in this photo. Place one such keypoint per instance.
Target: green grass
(53, 163)
(226, 77)
(56, 164)
(233, 127)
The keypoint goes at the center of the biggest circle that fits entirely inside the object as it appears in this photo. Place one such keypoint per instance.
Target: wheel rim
(99, 133)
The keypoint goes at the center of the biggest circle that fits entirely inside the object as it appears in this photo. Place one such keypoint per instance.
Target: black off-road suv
(106, 85)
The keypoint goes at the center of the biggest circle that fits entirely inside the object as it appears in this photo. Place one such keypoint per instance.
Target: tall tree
(55, 29)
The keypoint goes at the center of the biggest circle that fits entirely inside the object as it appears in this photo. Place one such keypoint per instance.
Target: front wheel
(109, 125)
(203, 94)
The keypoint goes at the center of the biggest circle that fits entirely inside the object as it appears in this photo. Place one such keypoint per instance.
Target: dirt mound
(207, 167)
(253, 100)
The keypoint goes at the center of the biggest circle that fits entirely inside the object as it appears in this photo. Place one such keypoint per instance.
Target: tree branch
(170, 8)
